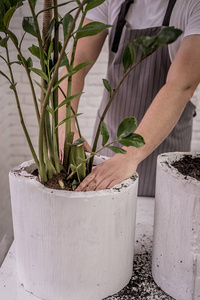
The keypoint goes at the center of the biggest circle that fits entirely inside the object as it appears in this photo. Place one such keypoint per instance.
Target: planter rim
(24, 170)
(165, 160)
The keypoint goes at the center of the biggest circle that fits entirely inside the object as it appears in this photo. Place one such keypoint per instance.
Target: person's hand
(109, 173)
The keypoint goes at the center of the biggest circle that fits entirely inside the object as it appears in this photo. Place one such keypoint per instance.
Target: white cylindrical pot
(176, 243)
(72, 245)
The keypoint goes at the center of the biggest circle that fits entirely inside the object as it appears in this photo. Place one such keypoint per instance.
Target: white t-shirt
(150, 13)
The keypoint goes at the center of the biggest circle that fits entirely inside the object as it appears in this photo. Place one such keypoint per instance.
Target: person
(157, 92)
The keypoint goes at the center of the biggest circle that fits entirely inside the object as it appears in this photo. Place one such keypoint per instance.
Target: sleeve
(193, 21)
(99, 13)
(185, 16)
(193, 27)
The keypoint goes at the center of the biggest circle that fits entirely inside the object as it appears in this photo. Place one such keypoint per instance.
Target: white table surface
(10, 289)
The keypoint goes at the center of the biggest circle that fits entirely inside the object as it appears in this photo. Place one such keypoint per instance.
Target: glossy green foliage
(148, 44)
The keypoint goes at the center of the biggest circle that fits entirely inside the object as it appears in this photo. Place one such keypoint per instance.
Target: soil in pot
(188, 166)
(53, 183)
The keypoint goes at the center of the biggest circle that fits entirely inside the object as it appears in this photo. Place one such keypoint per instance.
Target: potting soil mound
(188, 166)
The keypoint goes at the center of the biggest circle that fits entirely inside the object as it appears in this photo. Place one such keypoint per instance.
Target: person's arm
(161, 117)
(88, 49)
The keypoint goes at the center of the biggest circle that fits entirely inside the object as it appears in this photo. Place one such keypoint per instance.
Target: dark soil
(188, 166)
(54, 182)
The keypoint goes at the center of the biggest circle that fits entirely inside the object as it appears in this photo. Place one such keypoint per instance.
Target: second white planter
(176, 245)
(72, 245)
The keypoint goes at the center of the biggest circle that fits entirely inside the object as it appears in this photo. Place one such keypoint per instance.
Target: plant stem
(69, 109)
(68, 106)
(92, 156)
(107, 107)
(20, 112)
(46, 99)
(29, 77)
(55, 59)
(39, 38)
(52, 7)
(76, 119)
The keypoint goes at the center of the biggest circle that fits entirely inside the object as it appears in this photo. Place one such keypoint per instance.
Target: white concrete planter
(176, 246)
(72, 245)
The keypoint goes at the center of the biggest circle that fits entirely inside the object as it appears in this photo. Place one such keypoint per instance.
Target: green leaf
(3, 74)
(90, 29)
(13, 36)
(7, 17)
(19, 58)
(104, 133)
(29, 62)
(59, 81)
(33, 2)
(50, 110)
(67, 21)
(59, 46)
(168, 35)
(50, 50)
(148, 44)
(40, 73)
(93, 3)
(12, 86)
(68, 99)
(65, 62)
(133, 139)
(35, 50)
(28, 26)
(81, 66)
(2, 27)
(68, 118)
(117, 149)
(74, 185)
(41, 101)
(2, 11)
(42, 88)
(127, 126)
(107, 85)
(78, 142)
(78, 2)
(6, 4)
(3, 42)
(129, 56)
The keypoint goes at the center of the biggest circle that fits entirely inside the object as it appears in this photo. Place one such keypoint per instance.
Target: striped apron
(137, 93)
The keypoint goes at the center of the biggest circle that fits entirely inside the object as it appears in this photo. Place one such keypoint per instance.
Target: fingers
(108, 174)
(99, 179)
(84, 184)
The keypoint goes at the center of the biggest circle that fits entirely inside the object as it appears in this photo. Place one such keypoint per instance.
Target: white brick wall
(13, 146)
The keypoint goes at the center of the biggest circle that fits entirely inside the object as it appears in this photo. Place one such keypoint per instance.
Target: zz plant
(51, 54)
